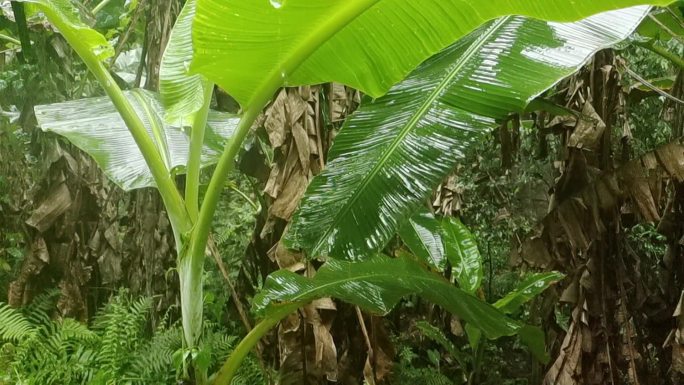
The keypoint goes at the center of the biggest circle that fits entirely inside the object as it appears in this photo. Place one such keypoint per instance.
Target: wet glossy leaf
(377, 285)
(253, 46)
(422, 234)
(529, 288)
(392, 153)
(95, 126)
(181, 93)
(65, 17)
(463, 254)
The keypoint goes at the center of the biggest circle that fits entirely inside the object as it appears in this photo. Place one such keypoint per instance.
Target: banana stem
(225, 375)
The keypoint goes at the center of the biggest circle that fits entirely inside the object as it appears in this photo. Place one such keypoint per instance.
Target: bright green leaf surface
(181, 93)
(95, 126)
(529, 288)
(253, 46)
(668, 21)
(463, 254)
(377, 285)
(65, 16)
(393, 151)
(422, 234)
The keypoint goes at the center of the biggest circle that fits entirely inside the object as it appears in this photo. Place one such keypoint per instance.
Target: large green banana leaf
(377, 285)
(181, 93)
(96, 127)
(250, 47)
(392, 153)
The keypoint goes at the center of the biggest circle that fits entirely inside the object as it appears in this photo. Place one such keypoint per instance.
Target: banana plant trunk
(618, 305)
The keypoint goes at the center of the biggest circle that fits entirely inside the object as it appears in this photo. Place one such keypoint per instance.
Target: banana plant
(251, 48)
(456, 244)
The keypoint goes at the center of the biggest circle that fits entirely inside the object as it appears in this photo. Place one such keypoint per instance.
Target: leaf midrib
(415, 119)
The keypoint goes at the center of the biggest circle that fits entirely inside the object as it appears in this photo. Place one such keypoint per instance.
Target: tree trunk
(83, 234)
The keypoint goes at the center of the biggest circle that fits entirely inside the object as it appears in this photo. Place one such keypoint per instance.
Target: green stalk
(245, 197)
(272, 82)
(22, 28)
(225, 375)
(9, 39)
(193, 259)
(166, 185)
(192, 179)
(100, 6)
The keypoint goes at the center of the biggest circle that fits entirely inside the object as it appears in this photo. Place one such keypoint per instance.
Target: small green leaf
(529, 288)
(653, 29)
(463, 254)
(422, 234)
(474, 335)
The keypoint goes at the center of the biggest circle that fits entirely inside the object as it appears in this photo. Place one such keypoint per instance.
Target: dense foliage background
(89, 294)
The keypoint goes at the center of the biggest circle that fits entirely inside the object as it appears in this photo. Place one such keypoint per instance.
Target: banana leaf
(251, 47)
(181, 93)
(394, 151)
(96, 127)
(376, 285)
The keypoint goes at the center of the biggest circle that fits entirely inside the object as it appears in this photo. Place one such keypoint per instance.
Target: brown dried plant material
(578, 220)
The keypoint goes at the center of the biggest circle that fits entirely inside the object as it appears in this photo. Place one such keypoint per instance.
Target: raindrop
(277, 4)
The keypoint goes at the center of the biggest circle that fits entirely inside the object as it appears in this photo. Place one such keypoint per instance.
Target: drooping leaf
(422, 234)
(250, 47)
(376, 285)
(65, 17)
(392, 152)
(463, 254)
(664, 24)
(95, 126)
(534, 338)
(529, 288)
(181, 93)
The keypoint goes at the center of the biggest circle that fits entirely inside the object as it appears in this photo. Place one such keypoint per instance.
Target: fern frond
(13, 325)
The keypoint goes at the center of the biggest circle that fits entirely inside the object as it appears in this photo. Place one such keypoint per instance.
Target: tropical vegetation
(324, 161)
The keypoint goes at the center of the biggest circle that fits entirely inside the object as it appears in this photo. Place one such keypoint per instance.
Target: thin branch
(9, 39)
(665, 28)
(100, 6)
(131, 26)
(364, 330)
(651, 86)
